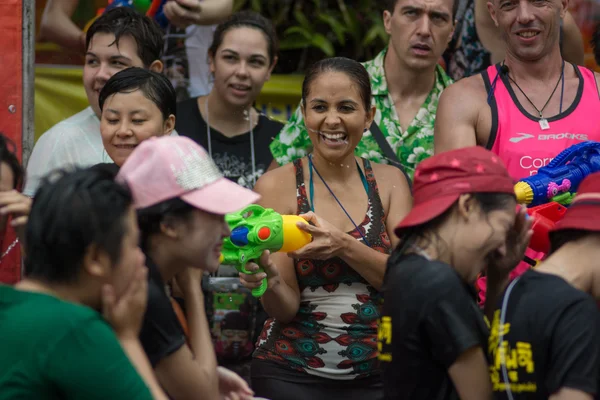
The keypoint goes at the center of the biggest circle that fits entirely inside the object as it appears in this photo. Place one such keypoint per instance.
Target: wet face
(531, 28)
(127, 120)
(6, 185)
(420, 31)
(103, 59)
(335, 116)
(241, 66)
(480, 236)
(131, 255)
(201, 239)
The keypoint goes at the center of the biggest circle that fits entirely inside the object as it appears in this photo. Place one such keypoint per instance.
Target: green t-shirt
(51, 349)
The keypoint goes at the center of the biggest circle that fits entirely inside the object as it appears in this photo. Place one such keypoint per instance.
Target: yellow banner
(59, 94)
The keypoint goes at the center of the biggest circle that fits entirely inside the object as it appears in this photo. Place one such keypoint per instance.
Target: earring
(365, 130)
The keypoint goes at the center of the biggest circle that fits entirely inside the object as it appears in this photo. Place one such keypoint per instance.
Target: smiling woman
(242, 55)
(323, 299)
(136, 104)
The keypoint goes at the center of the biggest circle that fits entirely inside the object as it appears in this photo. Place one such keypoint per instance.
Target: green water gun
(256, 229)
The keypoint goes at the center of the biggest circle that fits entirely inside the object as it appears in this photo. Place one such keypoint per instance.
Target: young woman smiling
(136, 104)
(320, 342)
(242, 55)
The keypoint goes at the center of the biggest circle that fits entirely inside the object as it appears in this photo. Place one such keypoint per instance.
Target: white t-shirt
(74, 142)
(197, 42)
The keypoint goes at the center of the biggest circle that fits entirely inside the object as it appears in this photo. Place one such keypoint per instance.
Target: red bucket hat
(441, 179)
(584, 211)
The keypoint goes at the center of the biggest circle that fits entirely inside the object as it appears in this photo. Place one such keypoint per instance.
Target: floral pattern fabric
(411, 146)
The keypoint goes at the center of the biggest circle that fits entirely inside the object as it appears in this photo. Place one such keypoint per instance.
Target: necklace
(543, 121)
(312, 167)
(252, 155)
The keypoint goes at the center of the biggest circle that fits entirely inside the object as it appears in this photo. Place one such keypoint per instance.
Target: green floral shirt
(411, 146)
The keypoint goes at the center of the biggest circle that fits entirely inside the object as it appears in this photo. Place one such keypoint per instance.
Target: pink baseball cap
(163, 168)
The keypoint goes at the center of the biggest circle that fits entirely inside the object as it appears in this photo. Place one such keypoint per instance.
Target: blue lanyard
(312, 191)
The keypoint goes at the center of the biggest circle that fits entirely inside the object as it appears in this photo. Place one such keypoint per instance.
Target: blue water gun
(559, 180)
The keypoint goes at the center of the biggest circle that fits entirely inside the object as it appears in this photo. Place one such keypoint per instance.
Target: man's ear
(492, 10)
(96, 263)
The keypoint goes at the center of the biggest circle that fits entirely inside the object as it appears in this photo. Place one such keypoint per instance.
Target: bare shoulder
(390, 180)
(597, 76)
(388, 175)
(278, 189)
(470, 89)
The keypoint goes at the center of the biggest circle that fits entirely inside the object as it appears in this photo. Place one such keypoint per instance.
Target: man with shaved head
(529, 107)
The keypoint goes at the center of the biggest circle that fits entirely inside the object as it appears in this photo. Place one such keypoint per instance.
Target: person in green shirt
(82, 256)
(406, 81)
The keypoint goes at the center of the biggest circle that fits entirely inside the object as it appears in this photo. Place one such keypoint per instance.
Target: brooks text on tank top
(516, 136)
(334, 334)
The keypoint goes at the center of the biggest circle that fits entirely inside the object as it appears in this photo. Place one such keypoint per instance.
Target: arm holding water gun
(551, 190)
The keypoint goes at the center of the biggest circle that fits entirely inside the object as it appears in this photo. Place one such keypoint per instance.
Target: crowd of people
(120, 215)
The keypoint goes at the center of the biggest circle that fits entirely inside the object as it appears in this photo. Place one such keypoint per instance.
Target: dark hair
(246, 19)
(390, 5)
(595, 43)
(8, 155)
(156, 87)
(487, 201)
(355, 71)
(125, 21)
(150, 218)
(562, 237)
(72, 211)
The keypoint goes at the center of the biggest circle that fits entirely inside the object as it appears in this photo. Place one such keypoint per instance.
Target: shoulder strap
(387, 151)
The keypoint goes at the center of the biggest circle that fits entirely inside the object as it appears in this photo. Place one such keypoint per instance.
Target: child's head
(119, 39)
(135, 104)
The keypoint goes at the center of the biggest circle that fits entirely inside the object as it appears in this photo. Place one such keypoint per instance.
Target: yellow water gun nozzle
(524, 193)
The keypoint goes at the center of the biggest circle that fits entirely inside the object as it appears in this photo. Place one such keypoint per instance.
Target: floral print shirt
(411, 145)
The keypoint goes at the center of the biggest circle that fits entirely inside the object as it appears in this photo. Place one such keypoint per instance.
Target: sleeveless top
(517, 137)
(334, 334)
(519, 140)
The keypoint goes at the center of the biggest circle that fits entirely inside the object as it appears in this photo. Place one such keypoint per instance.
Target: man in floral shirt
(406, 82)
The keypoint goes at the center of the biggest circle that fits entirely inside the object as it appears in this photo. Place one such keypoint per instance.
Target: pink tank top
(519, 140)
(517, 137)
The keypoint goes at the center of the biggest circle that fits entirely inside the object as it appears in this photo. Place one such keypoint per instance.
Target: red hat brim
(426, 211)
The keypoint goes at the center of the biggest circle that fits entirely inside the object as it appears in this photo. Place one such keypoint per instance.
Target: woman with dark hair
(432, 334)
(548, 345)
(136, 104)
(14, 211)
(320, 342)
(181, 198)
(241, 57)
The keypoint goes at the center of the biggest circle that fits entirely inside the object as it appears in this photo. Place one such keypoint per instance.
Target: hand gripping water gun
(151, 8)
(256, 229)
(559, 180)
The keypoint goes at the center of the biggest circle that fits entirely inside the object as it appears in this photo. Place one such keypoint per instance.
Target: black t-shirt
(162, 333)
(550, 339)
(429, 319)
(231, 154)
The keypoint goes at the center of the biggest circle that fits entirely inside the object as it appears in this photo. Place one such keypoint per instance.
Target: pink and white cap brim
(221, 197)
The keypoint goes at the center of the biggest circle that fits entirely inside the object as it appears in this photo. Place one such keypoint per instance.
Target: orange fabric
(181, 316)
